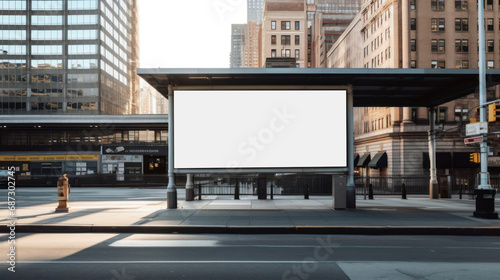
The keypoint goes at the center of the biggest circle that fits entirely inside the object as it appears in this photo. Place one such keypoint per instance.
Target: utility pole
(485, 195)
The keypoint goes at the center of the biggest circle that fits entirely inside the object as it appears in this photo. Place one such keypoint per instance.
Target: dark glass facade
(68, 56)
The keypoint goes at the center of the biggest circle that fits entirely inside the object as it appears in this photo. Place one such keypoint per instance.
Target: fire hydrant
(63, 191)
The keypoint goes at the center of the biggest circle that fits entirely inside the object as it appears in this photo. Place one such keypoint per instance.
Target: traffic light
(475, 157)
(493, 112)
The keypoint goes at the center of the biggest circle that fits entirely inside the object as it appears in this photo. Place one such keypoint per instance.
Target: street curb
(354, 230)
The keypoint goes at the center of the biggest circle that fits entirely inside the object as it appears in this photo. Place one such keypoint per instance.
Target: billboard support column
(189, 188)
(350, 188)
(171, 189)
(433, 184)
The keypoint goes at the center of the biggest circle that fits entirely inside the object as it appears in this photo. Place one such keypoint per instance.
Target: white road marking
(169, 262)
(214, 243)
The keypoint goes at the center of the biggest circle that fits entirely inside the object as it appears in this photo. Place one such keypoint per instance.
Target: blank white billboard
(260, 129)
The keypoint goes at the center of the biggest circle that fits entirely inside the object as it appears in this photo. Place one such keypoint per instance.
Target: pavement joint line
(175, 262)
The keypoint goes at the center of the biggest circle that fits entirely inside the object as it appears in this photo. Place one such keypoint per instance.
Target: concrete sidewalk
(142, 212)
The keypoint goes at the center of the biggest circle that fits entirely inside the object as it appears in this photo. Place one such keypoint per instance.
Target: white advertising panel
(260, 129)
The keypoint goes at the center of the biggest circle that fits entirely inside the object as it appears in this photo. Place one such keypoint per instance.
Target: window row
(48, 20)
(285, 25)
(13, 49)
(12, 20)
(490, 64)
(285, 40)
(439, 5)
(461, 45)
(89, 34)
(12, 64)
(286, 53)
(48, 49)
(82, 19)
(51, 78)
(48, 5)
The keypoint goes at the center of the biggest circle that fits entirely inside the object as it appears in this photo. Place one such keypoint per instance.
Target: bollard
(370, 191)
(403, 191)
(63, 191)
(272, 191)
(237, 190)
(306, 194)
(199, 191)
(460, 191)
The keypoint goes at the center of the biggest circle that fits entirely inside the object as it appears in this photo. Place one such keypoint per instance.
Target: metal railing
(391, 185)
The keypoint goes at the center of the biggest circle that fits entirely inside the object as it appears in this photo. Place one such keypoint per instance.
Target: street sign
(472, 140)
(476, 128)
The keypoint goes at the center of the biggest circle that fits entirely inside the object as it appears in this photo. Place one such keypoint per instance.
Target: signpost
(471, 140)
(478, 128)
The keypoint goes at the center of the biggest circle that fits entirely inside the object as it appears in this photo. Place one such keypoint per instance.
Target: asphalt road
(174, 256)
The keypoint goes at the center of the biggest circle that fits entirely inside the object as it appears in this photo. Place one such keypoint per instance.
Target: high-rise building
(254, 11)
(251, 45)
(68, 57)
(284, 31)
(413, 34)
(237, 40)
(152, 102)
(327, 20)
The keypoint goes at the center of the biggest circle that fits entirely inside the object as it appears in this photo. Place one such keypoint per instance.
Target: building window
(441, 46)
(461, 5)
(489, 24)
(490, 46)
(461, 24)
(414, 114)
(273, 39)
(437, 64)
(462, 64)
(297, 65)
(412, 4)
(461, 114)
(285, 53)
(413, 64)
(442, 114)
(434, 45)
(297, 54)
(489, 4)
(413, 45)
(273, 53)
(273, 25)
(285, 39)
(437, 24)
(297, 25)
(413, 24)
(437, 5)
(490, 64)
(297, 39)
(461, 45)
(285, 25)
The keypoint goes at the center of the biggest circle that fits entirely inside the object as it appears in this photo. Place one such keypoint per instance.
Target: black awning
(356, 159)
(443, 160)
(378, 161)
(462, 160)
(363, 161)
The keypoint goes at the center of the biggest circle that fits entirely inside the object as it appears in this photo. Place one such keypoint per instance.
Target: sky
(187, 33)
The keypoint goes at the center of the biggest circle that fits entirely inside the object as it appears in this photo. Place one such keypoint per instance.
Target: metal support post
(485, 194)
(433, 184)
(350, 188)
(171, 189)
(237, 189)
(189, 188)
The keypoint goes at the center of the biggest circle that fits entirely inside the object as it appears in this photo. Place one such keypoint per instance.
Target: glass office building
(68, 57)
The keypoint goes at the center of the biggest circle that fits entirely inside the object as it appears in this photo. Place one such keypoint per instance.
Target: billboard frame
(248, 170)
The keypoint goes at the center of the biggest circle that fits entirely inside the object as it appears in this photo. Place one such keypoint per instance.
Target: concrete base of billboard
(339, 192)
